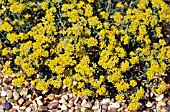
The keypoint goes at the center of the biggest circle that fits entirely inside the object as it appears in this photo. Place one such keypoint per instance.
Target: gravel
(29, 100)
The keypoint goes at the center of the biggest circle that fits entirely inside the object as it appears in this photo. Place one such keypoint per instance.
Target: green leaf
(19, 90)
(11, 100)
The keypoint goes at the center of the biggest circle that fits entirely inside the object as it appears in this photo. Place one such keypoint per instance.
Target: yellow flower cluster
(134, 105)
(162, 88)
(85, 45)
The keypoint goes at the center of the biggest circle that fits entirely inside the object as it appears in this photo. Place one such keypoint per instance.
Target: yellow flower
(133, 106)
(67, 82)
(91, 42)
(133, 83)
(17, 7)
(18, 81)
(5, 51)
(119, 97)
(80, 85)
(117, 18)
(88, 10)
(6, 27)
(101, 90)
(1, 46)
(124, 66)
(134, 60)
(44, 5)
(27, 16)
(41, 85)
(150, 74)
(90, 1)
(161, 88)
(131, 53)
(104, 15)
(119, 5)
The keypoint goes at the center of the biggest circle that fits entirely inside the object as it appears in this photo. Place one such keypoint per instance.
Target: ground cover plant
(93, 48)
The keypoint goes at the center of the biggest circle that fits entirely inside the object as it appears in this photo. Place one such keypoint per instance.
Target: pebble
(50, 96)
(87, 105)
(57, 97)
(27, 103)
(105, 107)
(1, 108)
(44, 92)
(63, 107)
(70, 104)
(115, 110)
(39, 101)
(149, 104)
(3, 93)
(9, 93)
(95, 107)
(32, 107)
(65, 97)
(53, 105)
(16, 95)
(54, 110)
(70, 95)
(24, 92)
(0, 81)
(105, 101)
(115, 105)
(83, 102)
(35, 104)
(2, 100)
(7, 106)
(42, 108)
(75, 101)
(168, 108)
(26, 83)
(29, 96)
(13, 110)
(158, 108)
(83, 109)
(22, 108)
(21, 101)
(72, 109)
(62, 100)
(161, 103)
(163, 110)
(28, 109)
(77, 110)
(15, 107)
(160, 97)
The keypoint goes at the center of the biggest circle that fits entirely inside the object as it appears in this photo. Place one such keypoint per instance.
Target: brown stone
(113, 110)
(57, 98)
(50, 96)
(87, 105)
(42, 108)
(2, 100)
(9, 93)
(70, 104)
(13, 110)
(21, 101)
(15, 102)
(27, 103)
(24, 92)
(78, 110)
(53, 105)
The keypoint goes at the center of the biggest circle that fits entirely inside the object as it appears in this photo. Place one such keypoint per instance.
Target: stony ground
(26, 99)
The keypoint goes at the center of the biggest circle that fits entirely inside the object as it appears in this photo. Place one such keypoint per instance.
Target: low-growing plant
(91, 47)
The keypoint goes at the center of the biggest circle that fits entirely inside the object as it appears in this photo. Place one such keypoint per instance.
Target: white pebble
(3, 93)
(160, 97)
(115, 105)
(63, 107)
